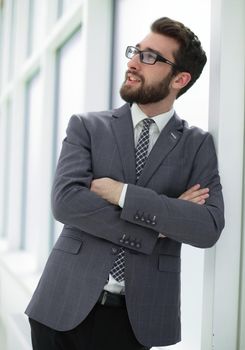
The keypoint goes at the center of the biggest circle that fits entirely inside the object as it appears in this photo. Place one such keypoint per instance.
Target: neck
(156, 108)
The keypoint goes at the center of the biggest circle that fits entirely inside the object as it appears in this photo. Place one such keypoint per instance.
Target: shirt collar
(161, 120)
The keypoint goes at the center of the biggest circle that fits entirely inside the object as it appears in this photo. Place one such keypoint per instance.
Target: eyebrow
(149, 49)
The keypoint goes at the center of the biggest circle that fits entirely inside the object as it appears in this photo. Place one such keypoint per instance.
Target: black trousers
(105, 328)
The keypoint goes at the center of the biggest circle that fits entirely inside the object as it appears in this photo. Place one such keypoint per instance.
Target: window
(2, 154)
(35, 27)
(53, 61)
(32, 165)
(64, 5)
(1, 43)
(7, 151)
(69, 89)
(69, 82)
(5, 129)
(12, 31)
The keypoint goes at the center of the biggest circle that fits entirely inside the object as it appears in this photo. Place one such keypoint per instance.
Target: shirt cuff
(123, 195)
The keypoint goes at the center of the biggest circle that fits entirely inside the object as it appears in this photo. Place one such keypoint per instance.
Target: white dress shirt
(161, 121)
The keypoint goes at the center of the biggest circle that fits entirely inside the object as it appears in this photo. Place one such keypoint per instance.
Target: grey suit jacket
(99, 145)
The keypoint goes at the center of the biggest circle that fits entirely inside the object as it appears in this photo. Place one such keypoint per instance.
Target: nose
(134, 62)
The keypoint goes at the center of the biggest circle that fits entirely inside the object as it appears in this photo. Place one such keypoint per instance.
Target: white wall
(222, 293)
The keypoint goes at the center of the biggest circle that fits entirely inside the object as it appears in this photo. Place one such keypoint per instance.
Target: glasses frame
(157, 57)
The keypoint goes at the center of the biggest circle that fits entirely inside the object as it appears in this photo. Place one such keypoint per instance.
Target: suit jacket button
(148, 221)
(138, 245)
(132, 244)
(142, 219)
(121, 240)
(126, 242)
(153, 221)
(136, 217)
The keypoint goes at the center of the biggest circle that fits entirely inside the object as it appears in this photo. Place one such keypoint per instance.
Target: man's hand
(196, 194)
(108, 189)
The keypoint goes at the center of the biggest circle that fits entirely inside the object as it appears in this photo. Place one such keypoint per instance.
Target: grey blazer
(101, 144)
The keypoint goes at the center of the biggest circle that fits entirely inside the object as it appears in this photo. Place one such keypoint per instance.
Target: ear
(181, 80)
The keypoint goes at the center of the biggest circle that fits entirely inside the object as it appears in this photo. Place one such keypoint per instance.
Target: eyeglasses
(148, 57)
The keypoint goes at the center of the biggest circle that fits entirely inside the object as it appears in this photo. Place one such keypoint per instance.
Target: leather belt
(110, 299)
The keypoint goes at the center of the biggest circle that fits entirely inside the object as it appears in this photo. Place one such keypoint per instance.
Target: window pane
(2, 157)
(1, 45)
(7, 166)
(35, 25)
(5, 143)
(69, 79)
(32, 167)
(64, 5)
(12, 32)
(69, 87)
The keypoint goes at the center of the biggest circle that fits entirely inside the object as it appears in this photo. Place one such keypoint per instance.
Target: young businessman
(131, 186)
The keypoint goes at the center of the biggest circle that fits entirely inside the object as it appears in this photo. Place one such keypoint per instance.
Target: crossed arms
(111, 190)
(89, 204)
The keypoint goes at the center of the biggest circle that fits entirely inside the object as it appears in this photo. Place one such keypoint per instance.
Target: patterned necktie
(117, 270)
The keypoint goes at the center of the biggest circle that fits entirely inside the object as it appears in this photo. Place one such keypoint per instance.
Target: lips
(132, 78)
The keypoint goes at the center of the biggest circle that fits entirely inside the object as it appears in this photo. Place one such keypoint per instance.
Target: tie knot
(147, 123)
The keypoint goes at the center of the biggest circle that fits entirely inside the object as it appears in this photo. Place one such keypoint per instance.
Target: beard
(145, 94)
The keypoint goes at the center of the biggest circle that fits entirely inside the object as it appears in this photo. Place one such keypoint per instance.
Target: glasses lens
(131, 51)
(148, 57)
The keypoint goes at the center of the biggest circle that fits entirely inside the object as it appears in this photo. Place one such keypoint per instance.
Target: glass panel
(64, 5)
(32, 167)
(35, 25)
(69, 88)
(7, 166)
(5, 152)
(5, 143)
(1, 45)
(2, 152)
(12, 32)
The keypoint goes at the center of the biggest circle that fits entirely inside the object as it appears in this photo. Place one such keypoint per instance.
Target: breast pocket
(68, 244)
(169, 263)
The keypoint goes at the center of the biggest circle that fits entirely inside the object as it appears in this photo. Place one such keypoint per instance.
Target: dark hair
(190, 57)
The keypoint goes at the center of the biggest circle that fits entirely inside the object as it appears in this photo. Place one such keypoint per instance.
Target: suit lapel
(122, 127)
(167, 140)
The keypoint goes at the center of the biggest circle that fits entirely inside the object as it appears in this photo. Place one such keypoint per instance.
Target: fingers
(196, 194)
(187, 194)
(199, 195)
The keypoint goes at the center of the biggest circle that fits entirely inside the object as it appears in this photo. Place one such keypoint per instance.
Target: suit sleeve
(181, 220)
(74, 204)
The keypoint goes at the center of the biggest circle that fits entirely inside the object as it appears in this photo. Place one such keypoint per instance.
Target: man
(131, 186)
